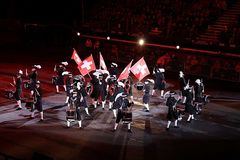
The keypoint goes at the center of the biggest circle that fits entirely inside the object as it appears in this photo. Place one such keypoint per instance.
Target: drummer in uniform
(121, 103)
(172, 114)
(37, 98)
(146, 94)
(33, 77)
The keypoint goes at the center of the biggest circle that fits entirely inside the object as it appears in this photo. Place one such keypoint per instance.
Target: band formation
(106, 87)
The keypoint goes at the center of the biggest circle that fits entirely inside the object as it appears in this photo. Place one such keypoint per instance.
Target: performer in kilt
(18, 92)
(172, 114)
(37, 101)
(59, 69)
(122, 104)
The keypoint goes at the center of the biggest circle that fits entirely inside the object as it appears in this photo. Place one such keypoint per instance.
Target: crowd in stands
(231, 35)
(184, 18)
(208, 66)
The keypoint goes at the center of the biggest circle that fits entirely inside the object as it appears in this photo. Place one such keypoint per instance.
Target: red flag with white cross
(102, 63)
(125, 72)
(75, 57)
(87, 66)
(140, 69)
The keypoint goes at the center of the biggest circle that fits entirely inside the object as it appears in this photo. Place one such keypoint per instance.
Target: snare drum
(71, 114)
(127, 116)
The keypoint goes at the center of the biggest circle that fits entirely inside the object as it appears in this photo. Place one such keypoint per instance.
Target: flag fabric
(125, 72)
(140, 69)
(87, 65)
(102, 62)
(75, 57)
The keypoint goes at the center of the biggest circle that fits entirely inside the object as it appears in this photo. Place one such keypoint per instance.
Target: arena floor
(214, 135)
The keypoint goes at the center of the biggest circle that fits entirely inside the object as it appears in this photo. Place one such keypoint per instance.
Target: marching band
(104, 87)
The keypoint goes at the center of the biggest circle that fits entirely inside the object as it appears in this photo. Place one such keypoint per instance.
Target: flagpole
(89, 75)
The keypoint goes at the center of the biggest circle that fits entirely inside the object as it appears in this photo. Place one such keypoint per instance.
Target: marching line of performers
(104, 87)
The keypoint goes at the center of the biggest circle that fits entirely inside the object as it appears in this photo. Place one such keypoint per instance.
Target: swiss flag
(75, 57)
(87, 65)
(102, 62)
(125, 72)
(140, 69)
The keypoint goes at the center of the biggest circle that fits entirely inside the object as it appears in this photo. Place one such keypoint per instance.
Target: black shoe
(19, 108)
(41, 120)
(110, 109)
(167, 129)
(114, 130)
(147, 110)
(129, 130)
(176, 127)
(103, 108)
(189, 121)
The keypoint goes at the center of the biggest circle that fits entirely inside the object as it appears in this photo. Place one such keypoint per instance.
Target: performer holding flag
(75, 57)
(87, 65)
(140, 69)
(102, 64)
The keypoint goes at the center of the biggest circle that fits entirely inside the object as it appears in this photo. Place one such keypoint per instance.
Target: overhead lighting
(141, 42)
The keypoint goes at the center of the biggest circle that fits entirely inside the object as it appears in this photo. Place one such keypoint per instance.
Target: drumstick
(12, 84)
